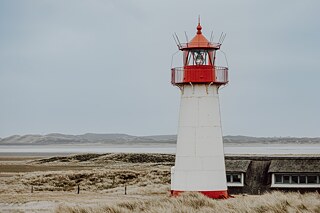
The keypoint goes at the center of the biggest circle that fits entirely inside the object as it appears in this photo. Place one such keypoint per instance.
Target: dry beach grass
(103, 178)
(195, 202)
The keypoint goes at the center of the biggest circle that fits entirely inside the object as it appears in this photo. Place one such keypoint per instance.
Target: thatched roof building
(237, 165)
(256, 174)
(295, 166)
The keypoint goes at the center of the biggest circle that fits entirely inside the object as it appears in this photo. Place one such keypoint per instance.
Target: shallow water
(259, 149)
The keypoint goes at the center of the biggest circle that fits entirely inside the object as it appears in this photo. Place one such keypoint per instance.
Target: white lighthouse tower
(199, 164)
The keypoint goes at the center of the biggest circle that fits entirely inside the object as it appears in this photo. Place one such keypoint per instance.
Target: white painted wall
(199, 164)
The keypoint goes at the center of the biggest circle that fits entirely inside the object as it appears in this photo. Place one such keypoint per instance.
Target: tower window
(199, 57)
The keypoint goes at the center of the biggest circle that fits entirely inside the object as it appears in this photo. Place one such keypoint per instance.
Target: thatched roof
(237, 165)
(292, 166)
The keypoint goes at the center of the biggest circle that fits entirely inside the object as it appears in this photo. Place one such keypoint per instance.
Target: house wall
(255, 179)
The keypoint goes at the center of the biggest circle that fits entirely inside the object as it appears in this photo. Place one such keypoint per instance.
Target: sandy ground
(48, 202)
(21, 173)
(103, 180)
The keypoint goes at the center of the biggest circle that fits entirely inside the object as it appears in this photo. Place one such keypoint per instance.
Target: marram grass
(277, 202)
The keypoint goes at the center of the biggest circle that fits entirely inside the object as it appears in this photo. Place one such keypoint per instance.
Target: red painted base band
(211, 194)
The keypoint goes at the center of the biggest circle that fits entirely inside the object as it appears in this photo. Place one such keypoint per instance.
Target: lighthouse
(199, 164)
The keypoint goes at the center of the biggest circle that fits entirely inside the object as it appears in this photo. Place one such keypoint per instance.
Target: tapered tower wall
(199, 164)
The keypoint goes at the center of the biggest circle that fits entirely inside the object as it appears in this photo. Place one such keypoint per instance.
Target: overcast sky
(104, 66)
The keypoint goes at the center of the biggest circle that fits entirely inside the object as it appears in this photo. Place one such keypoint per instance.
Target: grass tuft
(275, 202)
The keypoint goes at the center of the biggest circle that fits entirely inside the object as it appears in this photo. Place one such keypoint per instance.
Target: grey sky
(104, 66)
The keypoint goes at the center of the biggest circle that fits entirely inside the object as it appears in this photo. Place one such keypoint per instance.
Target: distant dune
(89, 138)
(270, 140)
(92, 138)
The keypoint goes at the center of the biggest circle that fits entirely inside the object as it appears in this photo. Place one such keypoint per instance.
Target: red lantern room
(199, 63)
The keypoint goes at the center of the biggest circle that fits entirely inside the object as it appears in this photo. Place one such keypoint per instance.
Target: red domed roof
(199, 42)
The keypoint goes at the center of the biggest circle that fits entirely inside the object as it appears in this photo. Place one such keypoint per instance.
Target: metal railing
(216, 75)
(197, 44)
(221, 74)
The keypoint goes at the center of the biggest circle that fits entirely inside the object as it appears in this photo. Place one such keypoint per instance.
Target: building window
(235, 179)
(295, 179)
(286, 179)
(302, 179)
(312, 179)
(228, 178)
(278, 178)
